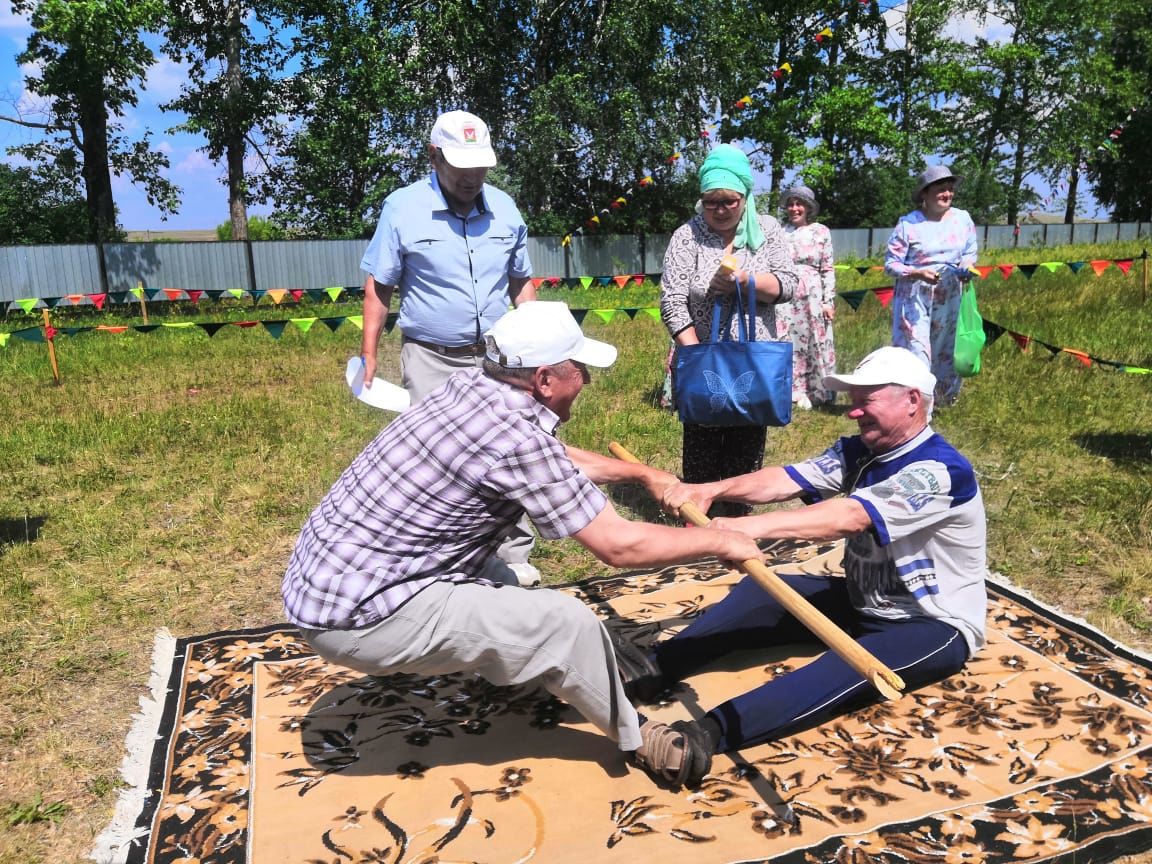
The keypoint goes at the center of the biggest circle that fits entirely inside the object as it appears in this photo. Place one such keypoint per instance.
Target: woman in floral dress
(931, 253)
(808, 318)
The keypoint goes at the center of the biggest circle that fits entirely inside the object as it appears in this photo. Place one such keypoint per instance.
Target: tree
(90, 60)
(39, 209)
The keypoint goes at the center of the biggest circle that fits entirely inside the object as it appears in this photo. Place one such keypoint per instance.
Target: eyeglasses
(722, 203)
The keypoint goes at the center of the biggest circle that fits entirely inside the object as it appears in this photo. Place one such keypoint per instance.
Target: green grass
(163, 484)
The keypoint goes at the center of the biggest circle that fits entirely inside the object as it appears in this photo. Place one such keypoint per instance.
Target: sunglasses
(721, 203)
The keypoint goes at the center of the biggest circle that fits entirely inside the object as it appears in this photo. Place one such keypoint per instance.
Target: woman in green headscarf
(726, 224)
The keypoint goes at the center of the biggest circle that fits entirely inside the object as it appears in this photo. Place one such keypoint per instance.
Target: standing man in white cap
(456, 248)
(391, 571)
(913, 592)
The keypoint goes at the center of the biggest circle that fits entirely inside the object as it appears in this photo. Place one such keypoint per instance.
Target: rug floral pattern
(1038, 751)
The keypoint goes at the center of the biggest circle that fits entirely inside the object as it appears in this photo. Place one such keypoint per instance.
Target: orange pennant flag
(173, 293)
(74, 298)
(621, 281)
(277, 295)
(1099, 267)
(1005, 269)
(119, 328)
(1079, 355)
(984, 272)
(1125, 265)
(884, 295)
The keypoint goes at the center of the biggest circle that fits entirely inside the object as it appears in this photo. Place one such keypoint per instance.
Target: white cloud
(196, 163)
(164, 79)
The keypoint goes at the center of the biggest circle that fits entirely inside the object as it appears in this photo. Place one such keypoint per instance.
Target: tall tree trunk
(1013, 207)
(93, 117)
(1073, 187)
(233, 86)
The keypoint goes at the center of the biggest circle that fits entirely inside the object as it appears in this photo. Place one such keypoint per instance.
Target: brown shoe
(679, 755)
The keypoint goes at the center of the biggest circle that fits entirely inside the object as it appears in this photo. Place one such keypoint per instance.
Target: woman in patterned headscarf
(726, 224)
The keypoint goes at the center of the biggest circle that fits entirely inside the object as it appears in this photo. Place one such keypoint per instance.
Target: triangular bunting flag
(213, 294)
(257, 296)
(1021, 340)
(296, 293)
(53, 302)
(631, 313)
(638, 279)
(305, 324)
(114, 329)
(173, 293)
(1098, 267)
(276, 328)
(1075, 266)
(4, 339)
(570, 282)
(1005, 269)
(212, 327)
(1124, 265)
(237, 292)
(27, 303)
(1079, 355)
(137, 292)
(334, 323)
(244, 323)
(277, 294)
(621, 281)
(145, 328)
(984, 271)
(653, 312)
(357, 321)
(884, 295)
(863, 270)
(72, 331)
(179, 325)
(1051, 266)
(1053, 349)
(73, 298)
(843, 267)
(579, 315)
(30, 334)
(605, 315)
(1111, 364)
(992, 332)
(194, 294)
(537, 282)
(118, 296)
(1027, 269)
(604, 280)
(854, 298)
(1137, 370)
(586, 281)
(317, 295)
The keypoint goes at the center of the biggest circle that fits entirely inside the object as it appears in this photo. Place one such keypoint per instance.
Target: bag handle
(745, 309)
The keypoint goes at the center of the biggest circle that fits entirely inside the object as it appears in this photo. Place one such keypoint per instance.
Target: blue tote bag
(735, 382)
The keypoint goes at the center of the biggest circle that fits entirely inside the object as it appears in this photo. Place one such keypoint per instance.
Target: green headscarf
(728, 168)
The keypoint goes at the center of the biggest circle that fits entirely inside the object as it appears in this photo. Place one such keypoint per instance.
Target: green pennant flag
(212, 327)
(145, 328)
(179, 325)
(841, 266)
(605, 315)
(653, 312)
(276, 328)
(334, 323)
(137, 292)
(1137, 370)
(357, 321)
(27, 303)
(30, 334)
(1051, 266)
(334, 292)
(305, 324)
(585, 281)
(854, 298)
(4, 339)
(237, 292)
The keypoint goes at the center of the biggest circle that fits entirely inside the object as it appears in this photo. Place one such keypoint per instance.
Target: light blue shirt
(452, 272)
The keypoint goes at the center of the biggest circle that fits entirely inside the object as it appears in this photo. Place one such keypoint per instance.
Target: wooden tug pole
(51, 347)
(851, 652)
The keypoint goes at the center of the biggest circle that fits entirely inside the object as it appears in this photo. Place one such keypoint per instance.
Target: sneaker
(527, 575)
(803, 402)
(677, 755)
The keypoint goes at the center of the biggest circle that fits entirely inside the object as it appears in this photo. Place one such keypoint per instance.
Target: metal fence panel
(196, 266)
(1084, 232)
(655, 246)
(850, 242)
(1057, 235)
(604, 256)
(547, 256)
(48, 271)
(1106, 232)
(1000, 237)
(308, 264)
(1031, 237)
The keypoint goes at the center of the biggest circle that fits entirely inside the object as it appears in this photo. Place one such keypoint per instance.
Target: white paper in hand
(382, 394)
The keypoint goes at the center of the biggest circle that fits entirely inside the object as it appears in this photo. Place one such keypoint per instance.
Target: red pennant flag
(621, 281)
(554, 281)
(984, 272)
(245, 323)
(296, 293)
(1021, 340)
(98, 299)
(195, 294)
(1099, 267)
(638, 278)
(1079, 355)
(1005, 269)
(1125, 265)
(884, 295)
(173, 293)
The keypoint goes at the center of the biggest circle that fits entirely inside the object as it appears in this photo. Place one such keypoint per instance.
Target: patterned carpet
(1039, 751)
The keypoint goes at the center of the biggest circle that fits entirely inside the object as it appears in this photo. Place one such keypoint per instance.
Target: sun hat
(541, 333)
(803, 193)
(463, 139)
(887, 365)
(933, 174)
(726, 167)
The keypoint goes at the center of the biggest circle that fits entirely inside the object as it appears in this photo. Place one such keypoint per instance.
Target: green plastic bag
(969, 335)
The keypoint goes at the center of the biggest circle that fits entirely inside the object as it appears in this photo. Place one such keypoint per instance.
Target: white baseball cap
(463, 139)
(887, 365)
(541, 333)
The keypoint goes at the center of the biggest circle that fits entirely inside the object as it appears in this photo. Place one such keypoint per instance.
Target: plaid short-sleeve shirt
(430, 499)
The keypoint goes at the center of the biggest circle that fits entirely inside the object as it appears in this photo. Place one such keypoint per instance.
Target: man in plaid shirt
(394, 571)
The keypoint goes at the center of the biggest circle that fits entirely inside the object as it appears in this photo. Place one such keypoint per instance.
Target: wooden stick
(1144, 289)
(143, 307)
(51, 348)
(851, 652)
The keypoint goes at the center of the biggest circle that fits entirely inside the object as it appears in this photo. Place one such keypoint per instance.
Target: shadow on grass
(23, 530)
(1122, 448)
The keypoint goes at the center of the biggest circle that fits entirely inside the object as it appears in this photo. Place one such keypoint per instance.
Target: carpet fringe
(111, 846)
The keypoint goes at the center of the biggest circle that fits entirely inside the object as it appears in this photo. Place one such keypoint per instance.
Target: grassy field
(163, 484)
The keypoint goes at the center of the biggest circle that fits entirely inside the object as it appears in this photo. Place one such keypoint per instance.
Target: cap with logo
(463, 139)
(542, 333)
(887, 365)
